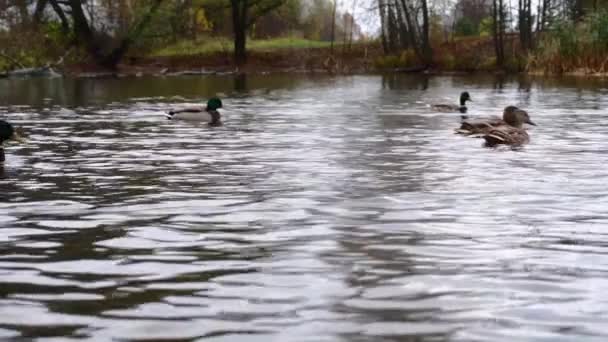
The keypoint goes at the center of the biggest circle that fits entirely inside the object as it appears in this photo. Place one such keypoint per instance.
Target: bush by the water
(32, 47)
(572, 47)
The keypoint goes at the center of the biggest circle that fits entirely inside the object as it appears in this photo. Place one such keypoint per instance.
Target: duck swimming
(464, 97)
(7, 133)
(208, 114)
(513, 132)
(484, 126)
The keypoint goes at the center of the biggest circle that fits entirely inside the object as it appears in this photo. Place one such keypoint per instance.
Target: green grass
(207, 46)
(287, 43)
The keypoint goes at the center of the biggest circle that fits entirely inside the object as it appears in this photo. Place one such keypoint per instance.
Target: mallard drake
(464, 97)
(208, 114)
(7, 133)
(513, 132)
(484, 126)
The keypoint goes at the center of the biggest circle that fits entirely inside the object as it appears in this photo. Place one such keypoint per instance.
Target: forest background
(541, 36)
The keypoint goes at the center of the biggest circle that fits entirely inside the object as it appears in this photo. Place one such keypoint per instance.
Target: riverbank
(358, 58)
(212, 56)
(462, 56)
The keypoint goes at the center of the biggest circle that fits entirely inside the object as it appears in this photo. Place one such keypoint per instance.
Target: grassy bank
(210, 46)
(461, 54)
(279, 54)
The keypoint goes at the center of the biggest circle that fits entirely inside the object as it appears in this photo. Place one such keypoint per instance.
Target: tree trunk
(520, 23)
(525, 24)
(333, 26)
(579, 11)
(501, 30)
(82, 31)
(538, 16)
(497, 32)
(529, 19)
(403, 31)
(542, 15)
(112, 59)
(381, 11)
(244, 15)
(411, 29)
(426, 45)
(239, 26)
(85, 35)
(352, 24)
(393, 34)
(39, 10)
(24, 18)
(65, 24)
(345, 33)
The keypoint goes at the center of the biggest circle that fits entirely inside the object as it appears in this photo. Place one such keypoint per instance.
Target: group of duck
(508, 130)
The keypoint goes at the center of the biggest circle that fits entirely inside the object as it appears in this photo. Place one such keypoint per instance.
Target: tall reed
(570, 47)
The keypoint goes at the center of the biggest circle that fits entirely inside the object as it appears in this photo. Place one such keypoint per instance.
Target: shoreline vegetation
(462, 56)
(303, 56)
(157, 37)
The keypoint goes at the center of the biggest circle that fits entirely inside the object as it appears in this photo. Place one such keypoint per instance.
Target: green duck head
(516, 117)
(213, 104)
(464, 97)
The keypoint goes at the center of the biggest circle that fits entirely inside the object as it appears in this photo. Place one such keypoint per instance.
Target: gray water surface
(325, 209)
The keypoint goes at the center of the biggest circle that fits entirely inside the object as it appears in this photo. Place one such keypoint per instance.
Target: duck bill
(529, 122)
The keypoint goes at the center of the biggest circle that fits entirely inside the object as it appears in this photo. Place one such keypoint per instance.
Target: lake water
(325, 209)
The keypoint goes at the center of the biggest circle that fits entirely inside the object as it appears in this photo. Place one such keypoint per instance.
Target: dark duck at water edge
(462, 108)
(7, 133)
(513, 132)
(209, 114)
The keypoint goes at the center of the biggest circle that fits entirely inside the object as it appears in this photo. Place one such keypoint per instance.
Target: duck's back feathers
(447, 108)
(470, 127)
(506, 135)
(191, 116)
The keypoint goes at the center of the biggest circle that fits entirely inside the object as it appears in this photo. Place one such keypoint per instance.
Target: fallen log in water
(45, 71)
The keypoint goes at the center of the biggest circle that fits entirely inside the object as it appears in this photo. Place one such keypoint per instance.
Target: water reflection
(326, 209)
(401, 81)
(240, 83)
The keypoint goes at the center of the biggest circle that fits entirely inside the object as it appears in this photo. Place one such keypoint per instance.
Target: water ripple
(325, 209)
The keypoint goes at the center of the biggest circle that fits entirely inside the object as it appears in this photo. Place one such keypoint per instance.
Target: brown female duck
(512, 133)
(510, 116)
